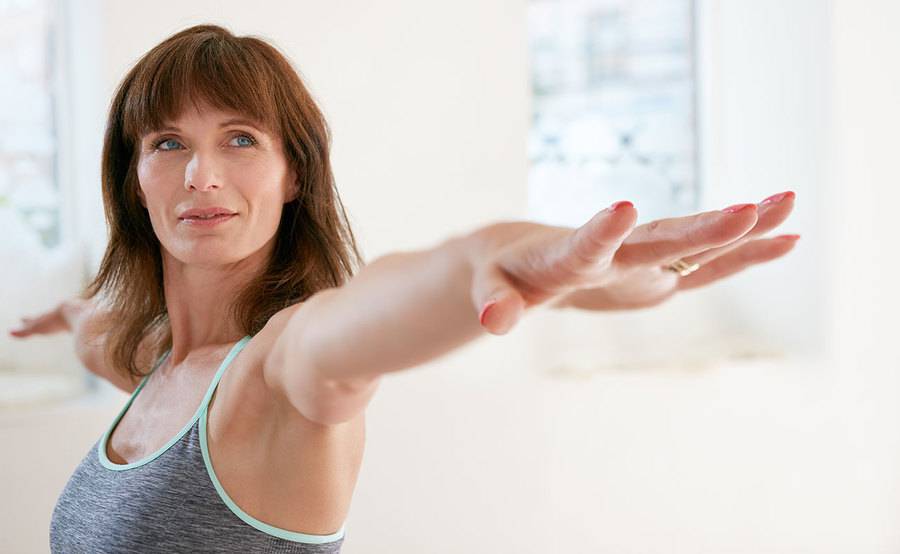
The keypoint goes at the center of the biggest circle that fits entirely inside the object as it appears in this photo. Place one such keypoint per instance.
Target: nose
(201, 173)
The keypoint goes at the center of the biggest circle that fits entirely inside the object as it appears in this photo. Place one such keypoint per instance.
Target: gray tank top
(170, 501)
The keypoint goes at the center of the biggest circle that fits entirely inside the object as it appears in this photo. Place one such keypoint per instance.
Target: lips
(205, 213)
(206, 222)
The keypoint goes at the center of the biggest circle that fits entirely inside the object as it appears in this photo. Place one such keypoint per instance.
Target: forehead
(206, 115)
(196, 109)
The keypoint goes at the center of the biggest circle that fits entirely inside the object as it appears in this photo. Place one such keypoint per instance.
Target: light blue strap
(101, 444)
(238, 346)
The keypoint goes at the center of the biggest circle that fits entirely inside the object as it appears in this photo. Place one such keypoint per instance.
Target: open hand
(56, 320)
(608, 264)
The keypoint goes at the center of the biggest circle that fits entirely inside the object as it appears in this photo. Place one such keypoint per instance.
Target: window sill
(26, 390)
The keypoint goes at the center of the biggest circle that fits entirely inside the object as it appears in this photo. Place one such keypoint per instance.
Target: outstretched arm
(400, 310)
(407, 308)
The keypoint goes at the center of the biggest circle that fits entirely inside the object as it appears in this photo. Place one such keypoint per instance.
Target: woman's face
(210, 158)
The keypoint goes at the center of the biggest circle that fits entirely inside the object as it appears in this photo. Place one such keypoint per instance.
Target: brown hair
(314, 249)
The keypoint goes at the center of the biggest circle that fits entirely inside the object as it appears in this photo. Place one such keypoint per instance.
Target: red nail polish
(485, 309)
(779, 197)
(738, 207)
(620, 204)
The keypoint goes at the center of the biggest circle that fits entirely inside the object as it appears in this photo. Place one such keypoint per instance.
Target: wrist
(485, 242)
(73, 310)
(561, 303)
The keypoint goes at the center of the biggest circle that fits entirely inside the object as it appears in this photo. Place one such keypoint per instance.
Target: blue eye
(249, 140)
(159, 143)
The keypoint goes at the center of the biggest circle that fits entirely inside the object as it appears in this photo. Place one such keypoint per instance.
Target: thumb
(25, 328)
(497, 301)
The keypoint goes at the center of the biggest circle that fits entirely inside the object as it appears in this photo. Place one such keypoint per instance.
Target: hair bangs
(218, 71)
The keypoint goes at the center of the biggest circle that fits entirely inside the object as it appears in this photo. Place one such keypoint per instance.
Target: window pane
(613, 108)
(29, 192)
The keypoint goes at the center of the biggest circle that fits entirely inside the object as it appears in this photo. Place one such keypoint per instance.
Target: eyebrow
(226, 123)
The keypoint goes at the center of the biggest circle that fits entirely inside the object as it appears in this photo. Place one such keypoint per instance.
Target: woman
(231, 305)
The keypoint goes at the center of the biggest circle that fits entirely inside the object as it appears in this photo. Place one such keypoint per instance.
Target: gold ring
(683, 268)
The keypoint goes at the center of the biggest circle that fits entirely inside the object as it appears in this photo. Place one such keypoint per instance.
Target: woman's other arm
(86, 321)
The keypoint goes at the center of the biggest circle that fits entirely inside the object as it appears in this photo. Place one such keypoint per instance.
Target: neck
(198, 299)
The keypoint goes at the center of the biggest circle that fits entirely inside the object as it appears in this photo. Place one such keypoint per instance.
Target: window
(29, 188)
(615, 116)
(51, 112)
(613, 108)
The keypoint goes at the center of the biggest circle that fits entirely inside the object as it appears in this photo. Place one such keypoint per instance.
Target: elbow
(333, 403)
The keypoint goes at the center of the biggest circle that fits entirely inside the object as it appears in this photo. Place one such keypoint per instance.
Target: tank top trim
(247, 518)
(101, 444)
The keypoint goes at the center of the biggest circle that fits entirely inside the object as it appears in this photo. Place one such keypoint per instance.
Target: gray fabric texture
(169, 504)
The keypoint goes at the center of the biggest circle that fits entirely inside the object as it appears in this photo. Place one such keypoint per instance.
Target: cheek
(144, 178)
(158, 185)
(149, 177)
(265, 201)
(264, 184)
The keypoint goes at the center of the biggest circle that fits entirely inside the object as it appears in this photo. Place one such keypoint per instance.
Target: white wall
(863, 233)
(764, 110)
(496, 448)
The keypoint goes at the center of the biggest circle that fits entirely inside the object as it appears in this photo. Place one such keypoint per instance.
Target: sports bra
(169, 501)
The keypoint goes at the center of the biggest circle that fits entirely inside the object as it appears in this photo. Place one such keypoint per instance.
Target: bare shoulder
(259, 405)
(264, 373)
(247, 382)
(292, 370)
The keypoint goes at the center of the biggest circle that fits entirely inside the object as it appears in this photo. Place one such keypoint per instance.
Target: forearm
(399, 311)
(90, 326)
(592, 299)
(85, 323)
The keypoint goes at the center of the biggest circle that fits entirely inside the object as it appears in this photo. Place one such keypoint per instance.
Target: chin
(205, 253)
(212, 257)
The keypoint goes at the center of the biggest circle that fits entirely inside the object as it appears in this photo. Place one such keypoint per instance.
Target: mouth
(206, 221)
(204, 213)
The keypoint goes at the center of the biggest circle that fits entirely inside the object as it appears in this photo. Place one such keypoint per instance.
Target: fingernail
(779, 197)
(791, 237)
(487, 306)
(738, 207)
(616, 205)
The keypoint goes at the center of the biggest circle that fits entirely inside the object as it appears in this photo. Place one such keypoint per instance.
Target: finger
(772, 213)
(24, 328)
(499, 304)
(751, 253)
(44, 323)
(599, 238)
(663, 241)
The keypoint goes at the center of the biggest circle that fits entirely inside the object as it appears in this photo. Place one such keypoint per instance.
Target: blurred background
(756, 415)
